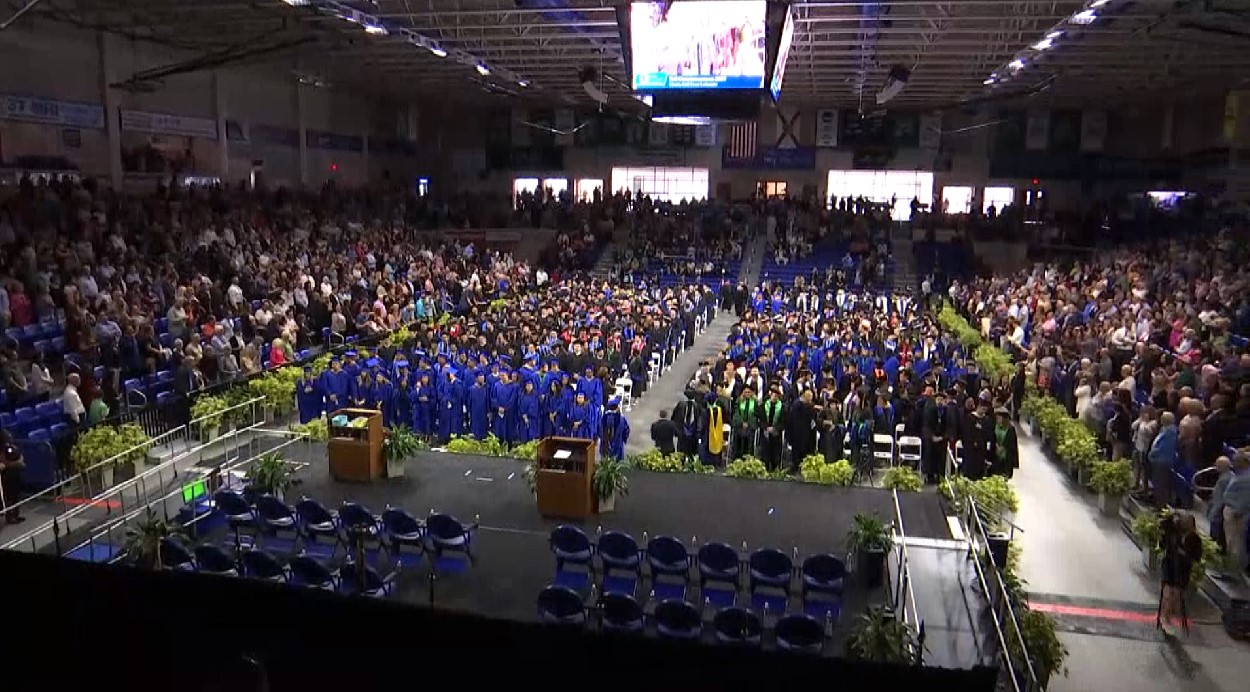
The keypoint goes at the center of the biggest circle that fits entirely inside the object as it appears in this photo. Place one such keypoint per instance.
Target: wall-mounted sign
(774, 159)
(334, 142)
(166, 124)
(36, 110)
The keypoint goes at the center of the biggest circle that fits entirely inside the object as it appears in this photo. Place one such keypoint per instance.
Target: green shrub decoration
(490, 447)
(207, 411)
(94, 446)
(814, 469)
(317, 429)
(1111, 478)
(1148, 531)
(277, 388)
(902, 478)
(747, 467)
(527, 451)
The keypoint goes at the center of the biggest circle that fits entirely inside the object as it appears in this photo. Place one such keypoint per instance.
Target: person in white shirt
(71, 403)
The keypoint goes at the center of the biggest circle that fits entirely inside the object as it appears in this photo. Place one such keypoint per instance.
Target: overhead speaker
(894, 84)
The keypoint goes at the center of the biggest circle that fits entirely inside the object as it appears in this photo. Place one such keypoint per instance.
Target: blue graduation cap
(401, 363)
(814, 339)
(419, 354)
(530, 357)
(554, 361)
(350, 354)
(308, 368)
(335, 359)
(442, 355)
(614, 402)
(372, 363)
(505, 359)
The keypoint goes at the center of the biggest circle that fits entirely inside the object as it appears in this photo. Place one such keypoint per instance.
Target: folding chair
(883, 448)
(955, 458)
(624, 390)
(909, 451)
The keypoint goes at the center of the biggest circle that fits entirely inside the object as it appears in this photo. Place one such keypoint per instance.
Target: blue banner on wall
(774, 159)
(335, 142)
(50, 112)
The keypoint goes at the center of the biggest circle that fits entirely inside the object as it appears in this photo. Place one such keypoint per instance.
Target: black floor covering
(513, 560)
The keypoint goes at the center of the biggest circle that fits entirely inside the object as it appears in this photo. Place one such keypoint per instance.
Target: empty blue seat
(738, 626)
(560, 605)
(165, 376)
(676, 619)
(49, 409)
(59, 430)
(800, 633)
(572, 547)
(31, 332)
(161, 325)
(621, 613)
(13, 334)
(308, 571)
(42, 346)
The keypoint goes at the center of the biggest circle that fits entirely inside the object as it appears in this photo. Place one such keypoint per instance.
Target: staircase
(904, 278)
(603, 268)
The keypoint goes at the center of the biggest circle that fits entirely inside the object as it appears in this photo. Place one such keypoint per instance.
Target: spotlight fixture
(1084, 17)
(296, 3)
(438, 50)
(1043, 44)
(482, 69)
(523, 83)
(988, 81)
(1016, 65)
(1098, 3)
(376, 30)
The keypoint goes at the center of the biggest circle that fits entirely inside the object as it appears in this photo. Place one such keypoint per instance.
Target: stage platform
(514, 563)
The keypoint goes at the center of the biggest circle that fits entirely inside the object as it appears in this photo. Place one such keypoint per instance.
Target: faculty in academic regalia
(712, 421)
(308, 396)
(772, 425)
(934, 435)
(1006, 445)
(745, 423)
(800, 429)
(613, 431)
(478, 402)
(529, 417)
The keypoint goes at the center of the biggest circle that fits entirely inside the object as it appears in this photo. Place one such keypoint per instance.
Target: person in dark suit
(664, 434)
(1017, 391)
(800, 429)
(976, 432)
(772, 424)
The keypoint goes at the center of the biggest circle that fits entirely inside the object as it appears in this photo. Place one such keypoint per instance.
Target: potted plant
(1147, 530)
(145, 536)
(747, 467)
(278, 390)
(206, 416)
(399, 445)
(879, 636)
(609, 482)
(135, 444)
(902, 478)
(95, 446)
(1111, 480)
(869, 538)
(269, 475)
(531, 475)
(1041, 639)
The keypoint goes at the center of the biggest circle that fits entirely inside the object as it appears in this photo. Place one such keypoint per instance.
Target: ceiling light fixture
(376, 30)
(482, 69)
(989, 81)
(1043, 44)
(1055, 34)
(1016, 65)
(523, 83)
(296, 3)
(438, 51)
(1084, 17)
(1098, 3)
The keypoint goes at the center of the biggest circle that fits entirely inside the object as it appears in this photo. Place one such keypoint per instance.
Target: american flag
(742, 140)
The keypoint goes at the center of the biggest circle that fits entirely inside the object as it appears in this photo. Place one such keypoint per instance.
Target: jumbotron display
(717, 44)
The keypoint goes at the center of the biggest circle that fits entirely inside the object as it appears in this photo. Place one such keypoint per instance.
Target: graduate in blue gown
(529, 417)
(580, 422)
(450, 405)
(593, 388)
(553, 409)
(613, 431)
(503, 398)
(308, 396)
(478, 401)
(424, 405)
(362, 394)
(383, 397)
(337, 386)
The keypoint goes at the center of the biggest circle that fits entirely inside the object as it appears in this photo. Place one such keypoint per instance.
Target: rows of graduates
(806, 374)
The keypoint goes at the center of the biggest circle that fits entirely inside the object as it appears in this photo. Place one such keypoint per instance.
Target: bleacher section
(732, 270)
(945, 261)
(822, 257)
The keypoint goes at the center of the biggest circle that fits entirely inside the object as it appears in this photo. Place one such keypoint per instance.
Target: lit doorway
(900, 187)
(585, 188)
(956, 199)
(997, 197)
(523, 186)
(556, 186)
(423, 186)
(772, 188)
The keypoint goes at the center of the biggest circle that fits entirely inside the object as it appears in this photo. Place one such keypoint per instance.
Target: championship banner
(787, 129)
(1037, 131)
(827, 128)
(1093, 131)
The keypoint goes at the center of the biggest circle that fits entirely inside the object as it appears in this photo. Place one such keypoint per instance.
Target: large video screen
(711, 44)
(783, 51)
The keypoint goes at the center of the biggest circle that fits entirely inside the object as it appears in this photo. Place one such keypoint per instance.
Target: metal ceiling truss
(841, 54)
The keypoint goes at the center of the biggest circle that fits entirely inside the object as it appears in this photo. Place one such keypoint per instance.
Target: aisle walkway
(1082, 568)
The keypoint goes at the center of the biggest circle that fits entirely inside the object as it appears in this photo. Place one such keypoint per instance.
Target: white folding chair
(956, 458)
(909, 450)
(653, 373)
(625, 390)
(727, 453)
(883, 448)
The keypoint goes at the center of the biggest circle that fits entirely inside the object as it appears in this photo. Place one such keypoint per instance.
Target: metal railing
(111, 537)
(86, 498)
(1016, 660)
(904, 598)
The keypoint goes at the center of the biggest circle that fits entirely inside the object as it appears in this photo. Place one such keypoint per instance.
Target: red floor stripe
(76, 501)
(1098, 613)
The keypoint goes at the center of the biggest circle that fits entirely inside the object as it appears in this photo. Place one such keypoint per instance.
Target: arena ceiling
(842, 52)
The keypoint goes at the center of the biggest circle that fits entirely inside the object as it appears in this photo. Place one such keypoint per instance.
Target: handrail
(978, 542)
(911, 618)
(95, 501)
(106, 531)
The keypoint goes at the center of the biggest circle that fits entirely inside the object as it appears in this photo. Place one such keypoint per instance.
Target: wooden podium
(356, 452)
(562, 484)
